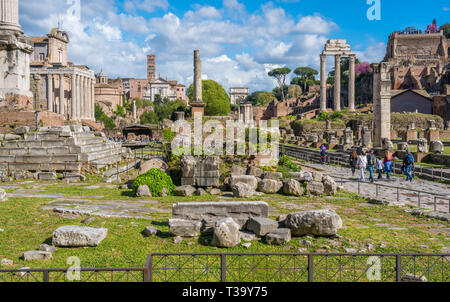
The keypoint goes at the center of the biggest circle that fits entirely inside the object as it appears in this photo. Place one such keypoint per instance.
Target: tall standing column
(351, 84)
(337, 83)
(197, 77)
(86, 97)
(73, 105)
(9, 15)
(323, 82)
(92, 115)
(79, 96)
(50, 92)
(62, 103)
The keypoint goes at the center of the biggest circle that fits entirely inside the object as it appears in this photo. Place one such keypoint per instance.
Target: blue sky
(239, 40)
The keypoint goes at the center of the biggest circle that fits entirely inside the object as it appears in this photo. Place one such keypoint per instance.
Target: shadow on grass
(128, 193)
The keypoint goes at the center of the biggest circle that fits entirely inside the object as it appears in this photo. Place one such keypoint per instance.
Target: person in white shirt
(362, 165)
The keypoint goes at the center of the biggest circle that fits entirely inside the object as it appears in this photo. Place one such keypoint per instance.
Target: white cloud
(237, 48)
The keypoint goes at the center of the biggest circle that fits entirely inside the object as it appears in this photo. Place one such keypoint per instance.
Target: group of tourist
(371, 162)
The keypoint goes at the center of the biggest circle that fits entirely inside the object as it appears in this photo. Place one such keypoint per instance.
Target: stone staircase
(61, 149)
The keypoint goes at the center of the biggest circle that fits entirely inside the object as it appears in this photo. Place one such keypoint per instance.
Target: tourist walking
(371, 163)
(362, 165)
(388, 159)
(353, 161)
(323, 154)
(380, 168)
(408, 165)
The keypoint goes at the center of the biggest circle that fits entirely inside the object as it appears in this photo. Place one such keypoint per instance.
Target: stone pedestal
(410, 135)
(432, 135)
(381, 103)
(419, 156)
(15, 50)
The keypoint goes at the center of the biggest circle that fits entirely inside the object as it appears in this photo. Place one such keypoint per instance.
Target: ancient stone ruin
(62, 149)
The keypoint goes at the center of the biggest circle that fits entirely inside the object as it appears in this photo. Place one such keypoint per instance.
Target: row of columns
(337, 83)
(82, 97)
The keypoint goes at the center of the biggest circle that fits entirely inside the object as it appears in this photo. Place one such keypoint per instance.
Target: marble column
(323, 83)
(50, 92)
(351, 84)
(337, 83)
(86, 98)
(79, 97)
(73, 107)
(9, 15)
(197, 77)
(92, 115)
(62, 103)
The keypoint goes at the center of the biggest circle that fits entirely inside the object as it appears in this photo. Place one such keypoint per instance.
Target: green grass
(26, 226)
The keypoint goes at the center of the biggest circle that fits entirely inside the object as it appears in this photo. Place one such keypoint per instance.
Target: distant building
(165, 89)
(60, 86)
(238, 94)
(411, 101)
(107, 95)
(151, 67)
(418, 60)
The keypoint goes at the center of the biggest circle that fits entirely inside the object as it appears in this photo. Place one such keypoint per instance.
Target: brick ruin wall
(11, 119)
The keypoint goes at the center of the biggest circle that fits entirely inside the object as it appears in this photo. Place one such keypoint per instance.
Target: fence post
(310, 268)
(418, 197)
(46, 276)
(398, 194)
(223, 268)
(398, 268)
(435, 201)
(148, 273)
(359, 187)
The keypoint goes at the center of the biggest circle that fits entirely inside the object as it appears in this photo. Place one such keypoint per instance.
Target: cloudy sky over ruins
(239, 40)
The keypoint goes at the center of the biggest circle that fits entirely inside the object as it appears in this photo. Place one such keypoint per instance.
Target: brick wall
(11, 119)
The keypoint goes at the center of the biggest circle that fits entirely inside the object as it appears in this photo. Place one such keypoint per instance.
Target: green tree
(446, 28)
(215, 98)
(279, 92)
(149, 117)
(305, 74)
(294, 91)
(280, 75)
(101, 116)
(260, 98)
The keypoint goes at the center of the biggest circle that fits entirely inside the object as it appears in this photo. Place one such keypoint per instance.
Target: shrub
(156, 180)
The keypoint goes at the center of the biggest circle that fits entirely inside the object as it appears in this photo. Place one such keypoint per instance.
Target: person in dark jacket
(408, 164)
(323, 154)
(353, 160)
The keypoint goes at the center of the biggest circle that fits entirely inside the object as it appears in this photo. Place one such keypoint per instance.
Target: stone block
(211, 212)
(46, 175)
(315, 189)
(226, 233)
(78, 236)
(278, 237)
(261, 226)
(269, 186)
(187, 181)
(242, 190)
(316, 222)
(36, 255)
(247, 179)
(184, 191)
(272, 175)
(184, 228)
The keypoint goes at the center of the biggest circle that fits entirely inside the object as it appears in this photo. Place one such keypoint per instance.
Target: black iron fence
(287, 267)
(73, 275)
(256, 267)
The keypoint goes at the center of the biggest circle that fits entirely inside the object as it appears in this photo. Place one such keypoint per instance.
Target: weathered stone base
(211, 212)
